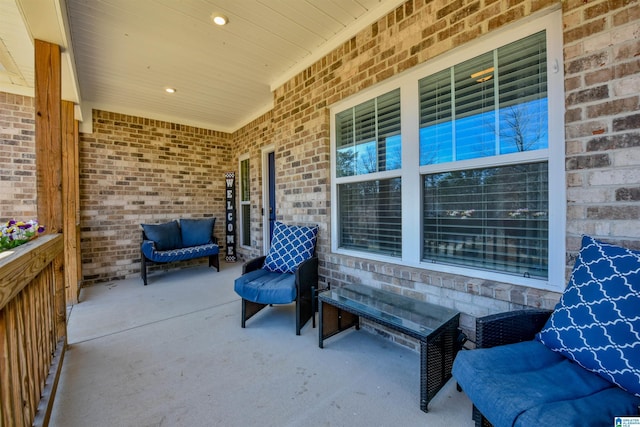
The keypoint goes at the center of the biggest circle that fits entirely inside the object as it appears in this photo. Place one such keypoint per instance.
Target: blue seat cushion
(527, 384)
(197, 231)
(180, 254)
(166, 235)
(597, 321)
(290, 246)
(266, 287)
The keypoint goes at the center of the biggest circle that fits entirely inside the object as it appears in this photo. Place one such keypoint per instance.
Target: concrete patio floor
(173, 354)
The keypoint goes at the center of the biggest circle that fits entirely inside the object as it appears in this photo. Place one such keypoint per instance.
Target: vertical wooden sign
(230, 179)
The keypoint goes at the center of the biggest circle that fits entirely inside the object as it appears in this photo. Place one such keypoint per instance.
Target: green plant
(15, 233)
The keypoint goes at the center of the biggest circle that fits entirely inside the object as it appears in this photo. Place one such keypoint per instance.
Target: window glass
(245, 204)
(368, 138)
(523, 95)
(492, 218)
(493, 104)
(436, 126)
(371, 216)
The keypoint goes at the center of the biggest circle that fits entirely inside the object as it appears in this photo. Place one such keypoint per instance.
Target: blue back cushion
(290, 245)
(597, 321)
(166, 236)
(197, 232)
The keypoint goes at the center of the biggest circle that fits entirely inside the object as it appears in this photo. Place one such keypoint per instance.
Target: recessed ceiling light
(219, 19)
(170, 90)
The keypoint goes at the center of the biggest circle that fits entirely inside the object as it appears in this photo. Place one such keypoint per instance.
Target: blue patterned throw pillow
(290, 245)
(597, 321)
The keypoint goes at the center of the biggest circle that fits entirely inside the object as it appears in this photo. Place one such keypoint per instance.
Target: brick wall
(602, 89)
(17, 158)
(135, 170)
(602, 86)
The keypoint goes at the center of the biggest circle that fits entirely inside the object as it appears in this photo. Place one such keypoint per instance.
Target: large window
(483, 109)
(493, 104)
(368, 143)
(458, 164)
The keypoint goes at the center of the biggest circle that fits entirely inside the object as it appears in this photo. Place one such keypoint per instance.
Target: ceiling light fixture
(483, 76)
(219, 19)
(170, 90)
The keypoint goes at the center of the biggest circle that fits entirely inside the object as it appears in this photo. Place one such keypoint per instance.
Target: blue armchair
(288, 273)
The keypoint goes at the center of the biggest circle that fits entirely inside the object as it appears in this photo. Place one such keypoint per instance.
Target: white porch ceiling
(124, 53)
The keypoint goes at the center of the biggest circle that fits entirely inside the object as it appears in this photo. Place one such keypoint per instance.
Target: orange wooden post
(70, 204)
(49, 158)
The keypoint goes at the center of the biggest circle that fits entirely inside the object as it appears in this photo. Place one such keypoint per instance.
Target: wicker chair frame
(507, 328)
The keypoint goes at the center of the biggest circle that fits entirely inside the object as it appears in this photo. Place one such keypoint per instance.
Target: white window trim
(549, 20)
(242, 202)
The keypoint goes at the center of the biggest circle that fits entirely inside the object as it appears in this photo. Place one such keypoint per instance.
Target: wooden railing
(32, 330)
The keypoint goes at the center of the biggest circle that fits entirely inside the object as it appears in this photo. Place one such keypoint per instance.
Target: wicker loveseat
(178, 241)
(578, 365)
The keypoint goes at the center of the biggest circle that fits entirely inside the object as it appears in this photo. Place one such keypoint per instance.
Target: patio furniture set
(178, 241)
(576, 365)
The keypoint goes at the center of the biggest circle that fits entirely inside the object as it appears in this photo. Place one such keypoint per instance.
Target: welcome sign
(230, 179)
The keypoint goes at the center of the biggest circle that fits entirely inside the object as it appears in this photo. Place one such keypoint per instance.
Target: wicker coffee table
(434, 326)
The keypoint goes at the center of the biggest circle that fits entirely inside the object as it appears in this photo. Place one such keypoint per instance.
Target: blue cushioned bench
(576, 365)
(178, 241)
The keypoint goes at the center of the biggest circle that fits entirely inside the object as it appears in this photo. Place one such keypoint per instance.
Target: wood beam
(71, 199)
(48, 135)
(48, 104)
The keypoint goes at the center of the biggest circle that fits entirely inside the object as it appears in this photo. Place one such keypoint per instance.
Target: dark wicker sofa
(577, 365)
(518, 328)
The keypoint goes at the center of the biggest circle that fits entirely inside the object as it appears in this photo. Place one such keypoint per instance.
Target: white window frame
(241, 202)
(410, 173)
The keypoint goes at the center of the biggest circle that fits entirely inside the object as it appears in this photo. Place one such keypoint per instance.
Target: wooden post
(70, 175)
(49, 159)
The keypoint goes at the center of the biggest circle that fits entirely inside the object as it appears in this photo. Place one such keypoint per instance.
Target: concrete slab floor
(173, 354)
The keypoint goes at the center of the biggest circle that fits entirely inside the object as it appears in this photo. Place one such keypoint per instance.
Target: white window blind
(458, 107)
(368, 137)
(491, 218)
(371, 217)
(368, 142)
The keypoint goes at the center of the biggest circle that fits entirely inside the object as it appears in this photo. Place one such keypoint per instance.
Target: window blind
(523, 95)
(368, 136)
(370, 216)
(491, 218)
(459, 105)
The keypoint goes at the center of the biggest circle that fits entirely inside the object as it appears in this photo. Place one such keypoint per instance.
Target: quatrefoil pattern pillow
(597, 321)
(290, 245)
